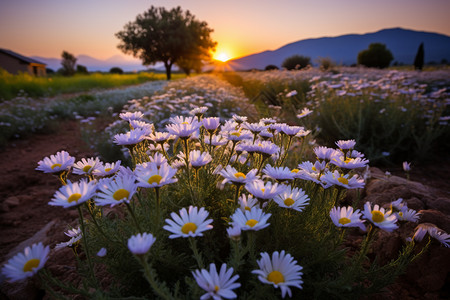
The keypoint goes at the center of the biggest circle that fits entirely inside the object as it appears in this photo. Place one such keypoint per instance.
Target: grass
(24, 84)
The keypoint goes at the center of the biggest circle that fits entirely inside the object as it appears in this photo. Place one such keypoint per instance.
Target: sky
(241, 27)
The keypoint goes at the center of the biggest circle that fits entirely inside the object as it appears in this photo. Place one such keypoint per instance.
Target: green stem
(133, 216)
(198, 258)
(151, 279)
(96, 224)
(236, 195)
(86, 248)
(158, 207)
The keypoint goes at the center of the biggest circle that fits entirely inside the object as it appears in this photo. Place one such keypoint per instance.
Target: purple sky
(241, 27)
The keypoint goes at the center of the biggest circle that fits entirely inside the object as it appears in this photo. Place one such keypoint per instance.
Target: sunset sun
(222, 56)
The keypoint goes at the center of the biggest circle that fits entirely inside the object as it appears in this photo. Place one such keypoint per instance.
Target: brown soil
(25, 192)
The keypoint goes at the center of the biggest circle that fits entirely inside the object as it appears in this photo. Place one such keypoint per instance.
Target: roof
(21, 57)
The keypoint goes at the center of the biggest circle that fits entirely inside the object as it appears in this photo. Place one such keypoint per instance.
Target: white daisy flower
(398, 204)
(216, 140)
(291, 93)
(324, 153)
(60, 162)
(278, 173)
(349, 163)
(406, 166)
(211, 124)
(129, 116)
(343, 180)
(254, 219)
(73, 232)
(150, 175)
(264, 191)
(190, 223)
(140, 243)
(346, 217)
(113, 191)
(291, 130)
(158, 159)
(70, 243)
(131, 137)
(239, 135)
(304, 113)
(26, 264)
(107, 168)
(380, 218)
(217, 285)
(73, 194)
(160, 137)
(234, 232)
(198, 159)
(86, 166)
(406, 214)
(282, 271)
(293, 198)
(346, 144)
(267, 121)
(141, 124)
(239, 119)
(247, 202)
(198, 111)
(303, 133)
(102, 252)
(266, 147)
(183, 130)
(232, 175)
(254, 127)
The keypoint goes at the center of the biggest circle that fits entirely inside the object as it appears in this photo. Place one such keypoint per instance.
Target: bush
(326, 63)
(376, 56)
(116, 70)
(271, 67)
(296, 62)
(82, 69)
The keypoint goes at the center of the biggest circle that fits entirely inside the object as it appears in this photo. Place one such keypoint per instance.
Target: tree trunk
(168, 70)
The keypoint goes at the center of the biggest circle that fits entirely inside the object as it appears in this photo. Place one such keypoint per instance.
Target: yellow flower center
(31, 264)
(155, 179)
(236, 134)
(120, 194)
(251, 222)
(108, 169)
(349, 159)
(344, 221)
(240, 175)
(87, 168)
(377, 216)
(276, 277)
(74, 197)
(295, 171)
(247, 208)
(343, 180)
(216, 288)
(314, 168)
(400, 214)
(55, 165)
(189, 227)
(185, 123)
(289, 201)
(263, 190)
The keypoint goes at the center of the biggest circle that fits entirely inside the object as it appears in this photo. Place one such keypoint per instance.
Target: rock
(4, 207)
(12, 201)
(435, 217)
(441, 204)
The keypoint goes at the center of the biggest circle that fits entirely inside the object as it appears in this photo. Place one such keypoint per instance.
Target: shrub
(82, 69)
(271, 67)
(419, 60)
(325, 63)
(116, 70)
(376, 56)
(296, 62)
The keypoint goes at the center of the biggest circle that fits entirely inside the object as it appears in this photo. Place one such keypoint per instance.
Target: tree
(376, 56)
(116, 70)
(296, 62)
(418, 61)
(167, 36)
(68, 63)
(270, 68)
(82, 69)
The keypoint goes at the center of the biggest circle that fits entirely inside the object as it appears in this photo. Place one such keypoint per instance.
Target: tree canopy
(296, 62)
(68, 62)
(169, 36)
(376, 56)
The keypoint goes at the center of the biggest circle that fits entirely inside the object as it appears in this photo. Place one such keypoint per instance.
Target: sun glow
(222, 56)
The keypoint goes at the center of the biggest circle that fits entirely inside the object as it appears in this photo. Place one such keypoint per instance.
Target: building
(15, 63)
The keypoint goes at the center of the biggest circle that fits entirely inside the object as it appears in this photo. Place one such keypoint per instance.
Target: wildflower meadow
(244, 186)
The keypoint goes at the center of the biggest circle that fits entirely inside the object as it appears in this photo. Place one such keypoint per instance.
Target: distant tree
(167, 36)
(419, 60)
(444, 61)
(271, 67)
(376, 56)
(68, 63)
(296, 62)
(82, 69)
(116, 70)
(326, 63)
(187, 65)
(49, 71)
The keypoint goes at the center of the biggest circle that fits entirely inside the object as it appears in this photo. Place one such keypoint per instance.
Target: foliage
(296, 62)
(271, 67)
(82, 69)
(326, 63)
(376, 56)
(68, 63)
(190, 64)
(419, 59)
(169, 36)
(116, 70)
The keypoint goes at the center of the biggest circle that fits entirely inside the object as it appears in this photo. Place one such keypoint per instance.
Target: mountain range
(94, 64)
(344, 49)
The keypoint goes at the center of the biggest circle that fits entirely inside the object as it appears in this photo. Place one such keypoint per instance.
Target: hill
(344, 49)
